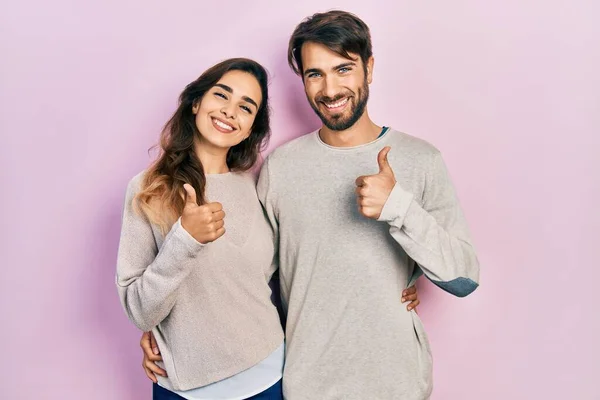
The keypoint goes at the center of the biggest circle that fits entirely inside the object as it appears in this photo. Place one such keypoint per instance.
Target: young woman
(195, 256)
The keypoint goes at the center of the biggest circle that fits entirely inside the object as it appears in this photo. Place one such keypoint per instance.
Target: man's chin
(338, 125)
(334, 122)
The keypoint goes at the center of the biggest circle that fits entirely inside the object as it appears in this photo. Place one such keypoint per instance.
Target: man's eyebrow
(312, 70)
(319, 71)
(344, 65)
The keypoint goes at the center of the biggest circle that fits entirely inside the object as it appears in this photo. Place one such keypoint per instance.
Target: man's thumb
(384, 166)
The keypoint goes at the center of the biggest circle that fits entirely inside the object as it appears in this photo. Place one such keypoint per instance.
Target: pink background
(508, 90)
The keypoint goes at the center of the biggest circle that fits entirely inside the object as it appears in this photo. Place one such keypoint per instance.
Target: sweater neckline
(385, 132)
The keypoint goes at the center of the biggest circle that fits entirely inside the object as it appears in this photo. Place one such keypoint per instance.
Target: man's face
(336, 88)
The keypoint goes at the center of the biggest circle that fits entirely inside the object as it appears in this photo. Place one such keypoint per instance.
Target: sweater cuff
(186, 239)
(396, 206)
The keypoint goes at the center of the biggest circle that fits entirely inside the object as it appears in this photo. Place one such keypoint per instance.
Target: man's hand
(151, 355)
(374, 190)
(205, 222)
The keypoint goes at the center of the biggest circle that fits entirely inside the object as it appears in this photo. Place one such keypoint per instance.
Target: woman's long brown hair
(160, 197)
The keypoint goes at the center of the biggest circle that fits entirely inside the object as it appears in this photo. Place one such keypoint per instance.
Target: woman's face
(225, 115)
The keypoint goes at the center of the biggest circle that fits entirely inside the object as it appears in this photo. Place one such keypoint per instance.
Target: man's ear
(370, 63)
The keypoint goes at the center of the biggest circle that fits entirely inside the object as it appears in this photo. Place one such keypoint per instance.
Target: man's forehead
(316, 55)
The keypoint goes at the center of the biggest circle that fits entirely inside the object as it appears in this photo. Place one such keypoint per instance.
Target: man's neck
(362, 132)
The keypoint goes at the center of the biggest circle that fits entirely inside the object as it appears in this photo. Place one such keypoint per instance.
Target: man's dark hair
(340, 31)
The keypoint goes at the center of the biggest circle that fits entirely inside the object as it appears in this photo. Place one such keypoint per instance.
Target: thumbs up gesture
(374, 190)
(205, 222)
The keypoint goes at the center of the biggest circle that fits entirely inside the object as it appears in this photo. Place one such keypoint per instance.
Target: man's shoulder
(410, 145)
(292, 150)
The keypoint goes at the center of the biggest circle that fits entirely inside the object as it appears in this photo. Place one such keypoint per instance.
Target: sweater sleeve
(435, 235)
(267, 197)
(147, 277)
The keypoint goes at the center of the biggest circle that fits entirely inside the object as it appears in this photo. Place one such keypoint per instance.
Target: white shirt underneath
(245, 384)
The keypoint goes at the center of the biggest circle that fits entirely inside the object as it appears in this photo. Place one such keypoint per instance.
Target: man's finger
(365, 202)
(154, 357)
(145, 343)
(153, 344)
(146, 346)
(149, 374)
(360, 181)
(366, 211)
(155, 369)
(143, 339)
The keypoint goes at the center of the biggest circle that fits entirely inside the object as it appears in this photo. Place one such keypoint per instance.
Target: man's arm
(434, 235)
(268, 199)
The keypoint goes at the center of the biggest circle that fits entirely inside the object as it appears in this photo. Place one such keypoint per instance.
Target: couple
(350, 215)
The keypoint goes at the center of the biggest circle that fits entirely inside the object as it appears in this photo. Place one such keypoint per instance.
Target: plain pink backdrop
(508, 90)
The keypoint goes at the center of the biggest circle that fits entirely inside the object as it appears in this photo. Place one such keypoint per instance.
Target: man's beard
(338, 122)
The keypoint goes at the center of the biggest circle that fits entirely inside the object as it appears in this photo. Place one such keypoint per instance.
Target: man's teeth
(222, 125)
(338, 104)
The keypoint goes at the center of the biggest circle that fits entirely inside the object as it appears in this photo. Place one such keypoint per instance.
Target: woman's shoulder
(134, 186)
(244, 177)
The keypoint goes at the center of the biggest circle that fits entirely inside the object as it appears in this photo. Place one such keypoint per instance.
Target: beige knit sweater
(208, 305)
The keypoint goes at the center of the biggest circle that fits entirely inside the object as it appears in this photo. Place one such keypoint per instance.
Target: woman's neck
(213, 159)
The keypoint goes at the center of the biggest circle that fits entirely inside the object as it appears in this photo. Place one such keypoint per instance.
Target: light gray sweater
(347, 335)
(208, 306)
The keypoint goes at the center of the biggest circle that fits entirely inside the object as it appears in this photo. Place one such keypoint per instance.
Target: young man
(360, 212)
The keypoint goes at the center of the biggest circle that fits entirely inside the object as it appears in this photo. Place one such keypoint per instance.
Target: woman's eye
(246, 109)
(221, 95)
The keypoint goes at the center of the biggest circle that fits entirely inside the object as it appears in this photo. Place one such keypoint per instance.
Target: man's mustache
(327, 99)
